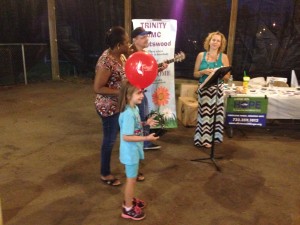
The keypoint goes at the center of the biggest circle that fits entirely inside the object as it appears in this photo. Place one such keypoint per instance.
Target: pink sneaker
(138, 202)
(135, 213)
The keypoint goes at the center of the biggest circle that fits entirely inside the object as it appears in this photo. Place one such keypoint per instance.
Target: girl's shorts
(131, 170)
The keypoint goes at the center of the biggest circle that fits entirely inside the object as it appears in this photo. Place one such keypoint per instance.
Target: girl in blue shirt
(131, 146)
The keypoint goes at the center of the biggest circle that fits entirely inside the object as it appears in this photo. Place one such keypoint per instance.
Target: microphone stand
(212, 150)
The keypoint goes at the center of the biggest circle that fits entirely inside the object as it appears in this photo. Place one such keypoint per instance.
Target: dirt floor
(50, 138)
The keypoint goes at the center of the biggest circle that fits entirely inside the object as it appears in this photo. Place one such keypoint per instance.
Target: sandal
(140, 177)
(111, 182)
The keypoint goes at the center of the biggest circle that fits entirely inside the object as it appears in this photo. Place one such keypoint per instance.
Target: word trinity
(149, 25)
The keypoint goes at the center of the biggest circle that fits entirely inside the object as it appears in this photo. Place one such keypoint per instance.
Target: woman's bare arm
(101, 78)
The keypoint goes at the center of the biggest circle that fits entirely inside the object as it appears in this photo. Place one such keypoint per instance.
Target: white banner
(161, 94)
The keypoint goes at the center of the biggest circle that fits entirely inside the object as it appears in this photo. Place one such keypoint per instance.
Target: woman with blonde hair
(206, 62)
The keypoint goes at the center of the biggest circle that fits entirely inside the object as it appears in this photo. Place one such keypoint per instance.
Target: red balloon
(141, 69)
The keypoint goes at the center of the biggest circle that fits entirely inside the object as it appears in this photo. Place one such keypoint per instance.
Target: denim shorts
(131, 170)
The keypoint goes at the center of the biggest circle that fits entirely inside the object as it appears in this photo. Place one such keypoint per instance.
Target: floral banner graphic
(161, 94)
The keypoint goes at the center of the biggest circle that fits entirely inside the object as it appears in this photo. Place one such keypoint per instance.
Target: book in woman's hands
(216, 75)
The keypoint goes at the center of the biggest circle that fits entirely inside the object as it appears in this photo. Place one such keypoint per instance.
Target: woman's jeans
(110, 132)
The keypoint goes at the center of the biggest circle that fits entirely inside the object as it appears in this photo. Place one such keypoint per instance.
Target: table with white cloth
(283, 103)
(283, 107)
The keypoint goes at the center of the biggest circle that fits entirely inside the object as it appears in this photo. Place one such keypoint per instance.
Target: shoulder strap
(204, 56)
(220, 57)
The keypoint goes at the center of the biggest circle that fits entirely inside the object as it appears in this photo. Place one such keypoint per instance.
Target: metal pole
(24, 64)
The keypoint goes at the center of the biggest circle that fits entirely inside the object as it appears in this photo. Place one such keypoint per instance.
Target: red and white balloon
(141, 69)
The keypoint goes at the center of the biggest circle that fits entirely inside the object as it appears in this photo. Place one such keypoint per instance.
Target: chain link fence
(30, 62)
(24, 62)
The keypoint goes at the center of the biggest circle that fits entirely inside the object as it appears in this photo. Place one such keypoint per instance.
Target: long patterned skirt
(205, 118)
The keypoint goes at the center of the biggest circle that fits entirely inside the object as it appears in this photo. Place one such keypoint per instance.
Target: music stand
(210, 81)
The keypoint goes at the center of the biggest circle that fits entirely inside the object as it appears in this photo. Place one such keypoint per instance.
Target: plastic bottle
(271, 82)
(230, 81)
(246, 79)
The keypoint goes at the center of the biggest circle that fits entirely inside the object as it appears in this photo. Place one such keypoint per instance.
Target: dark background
(267, 33)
